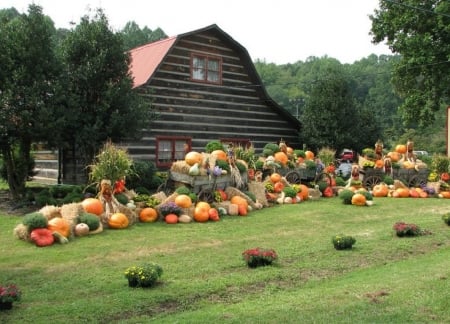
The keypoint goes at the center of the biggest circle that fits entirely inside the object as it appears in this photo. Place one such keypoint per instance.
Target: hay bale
(180, 167)
(21, 232)
(131, 215)
(232, 191)
(188, 211)
(71, 211)
(161, 196)
(50, 211)
(259, 190)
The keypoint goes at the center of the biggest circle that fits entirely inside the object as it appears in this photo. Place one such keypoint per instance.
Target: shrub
(403, 229)
(35, 220)
(143, 276)
(343, 242)
(346, 196)
(143, 175)
(213, 146)
(259, 257)
(446, 218)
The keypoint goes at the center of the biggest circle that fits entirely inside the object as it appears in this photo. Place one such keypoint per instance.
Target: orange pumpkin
(413, 193)
(281, 157)
(203, 204)
(380, 190)
(309, 155)
(201, 214)
(402, 192)
(238, 200)
(92, 206)
(183, 201)
(303, 194)
(118, 221)
(358, 199)
(379, 164)
(423, 194)
(219, 155)
(60, 225)
(444, 194)
(242, 210)
(42, 237)
(193, 157)
(171, 219)
(394, 156)
(278, 186)
(400, 148)
(148, 215)
(445, 176)
(275, 177)
(214, 214)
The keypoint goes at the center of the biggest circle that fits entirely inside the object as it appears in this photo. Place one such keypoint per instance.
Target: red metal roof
(145, 59)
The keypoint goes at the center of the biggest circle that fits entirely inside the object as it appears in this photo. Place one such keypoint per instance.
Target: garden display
(208, 186)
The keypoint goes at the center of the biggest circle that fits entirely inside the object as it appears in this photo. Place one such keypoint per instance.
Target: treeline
(348, 105)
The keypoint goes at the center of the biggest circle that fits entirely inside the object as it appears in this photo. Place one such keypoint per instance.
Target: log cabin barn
(204, 87)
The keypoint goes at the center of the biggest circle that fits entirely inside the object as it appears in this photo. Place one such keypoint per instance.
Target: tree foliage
(420, 32)
(134, 36)
(100, 102)
(28, 83)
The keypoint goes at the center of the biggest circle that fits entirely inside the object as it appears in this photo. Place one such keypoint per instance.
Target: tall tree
(134, 36)
(330, 118)
(101, 103)
(418, 30)
(27, 87)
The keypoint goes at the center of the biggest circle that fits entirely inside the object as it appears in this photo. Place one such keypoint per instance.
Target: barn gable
(204, 87)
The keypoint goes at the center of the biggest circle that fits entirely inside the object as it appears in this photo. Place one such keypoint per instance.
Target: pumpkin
(60, 225)
(328, 192)
(214, 214)
(278, 186)
(238, 200)
(380, 190)
(242, 210)
(203, 204)
(413, 193)
(171, 219)
(92, 206)
(444, 194)
(408, 165)
(358, 199)
(275, 177)
(402, 192)
(219, 155)
(183, 201)
(394, 156)
(400, 148)
(201, 214)
(42, 237)
(148, 215)
(379, 164)
(184, 218)
(303, 194)
(281, 157)
(193, 157)
(309, 155)
(118, 221)
(81, 229)
(445, 176)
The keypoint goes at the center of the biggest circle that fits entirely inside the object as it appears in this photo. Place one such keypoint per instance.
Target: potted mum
(343, 242)
(8, 295)
(144, 275)
(259, 257)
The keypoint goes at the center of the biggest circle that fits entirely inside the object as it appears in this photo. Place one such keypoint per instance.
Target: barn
(204, 87)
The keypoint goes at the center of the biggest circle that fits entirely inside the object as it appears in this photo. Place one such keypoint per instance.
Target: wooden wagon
(304, 176)
(202, 185)
(410, 177)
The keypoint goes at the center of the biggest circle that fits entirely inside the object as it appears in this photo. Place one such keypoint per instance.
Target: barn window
(170, 149)
(206, 69)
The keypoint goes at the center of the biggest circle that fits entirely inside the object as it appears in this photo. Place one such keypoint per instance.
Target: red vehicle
(347, 155)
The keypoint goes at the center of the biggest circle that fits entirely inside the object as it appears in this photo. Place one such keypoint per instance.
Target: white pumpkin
(81, 229)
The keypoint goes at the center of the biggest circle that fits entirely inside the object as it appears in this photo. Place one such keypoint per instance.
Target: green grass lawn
(383, 279)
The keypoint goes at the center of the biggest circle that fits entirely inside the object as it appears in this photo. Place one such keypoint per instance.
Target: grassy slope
(383, 279)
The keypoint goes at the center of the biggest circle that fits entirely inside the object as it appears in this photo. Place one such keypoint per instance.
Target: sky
(280, 32)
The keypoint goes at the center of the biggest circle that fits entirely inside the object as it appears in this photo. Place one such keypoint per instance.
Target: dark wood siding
(236, 108)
